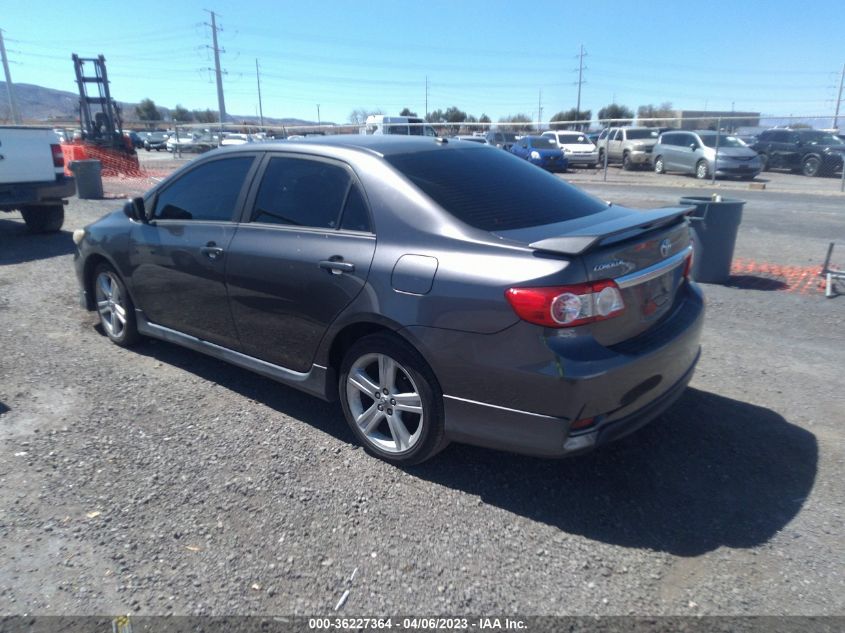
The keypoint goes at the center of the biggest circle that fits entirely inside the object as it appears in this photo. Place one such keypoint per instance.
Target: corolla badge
(611, 264)
(665, 247)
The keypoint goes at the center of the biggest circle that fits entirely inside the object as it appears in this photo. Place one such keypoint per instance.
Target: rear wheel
(811, 166)
(44, 219)
(391, 400)
(115, 307)
(701, 170)
(659, 168)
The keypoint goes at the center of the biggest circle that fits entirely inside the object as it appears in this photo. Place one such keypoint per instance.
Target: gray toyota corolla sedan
(442, 291)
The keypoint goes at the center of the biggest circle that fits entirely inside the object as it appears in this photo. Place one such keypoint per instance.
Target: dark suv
(811, 152)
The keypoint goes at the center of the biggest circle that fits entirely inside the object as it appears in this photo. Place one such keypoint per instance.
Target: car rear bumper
(521, 392)
(14, 196)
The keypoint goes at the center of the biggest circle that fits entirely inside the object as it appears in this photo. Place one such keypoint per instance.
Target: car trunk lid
(644, 252)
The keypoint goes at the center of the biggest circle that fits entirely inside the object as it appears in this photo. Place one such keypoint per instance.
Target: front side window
(209, 192)
(301, 192)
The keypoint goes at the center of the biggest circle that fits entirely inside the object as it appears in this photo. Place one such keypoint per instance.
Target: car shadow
(18, 245)
(711, 472)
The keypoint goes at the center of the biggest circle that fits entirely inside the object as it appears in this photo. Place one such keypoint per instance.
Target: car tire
(627, 165)
(601, 157)
(811, 166)
(114, 306)
(659, 168)
(764, 162)
(702, 170)
(386, 363)
(44, 219)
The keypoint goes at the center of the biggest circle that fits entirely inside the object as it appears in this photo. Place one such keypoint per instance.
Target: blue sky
(491, 57)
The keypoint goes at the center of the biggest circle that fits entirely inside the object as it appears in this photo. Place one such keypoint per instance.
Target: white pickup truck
(32, 177)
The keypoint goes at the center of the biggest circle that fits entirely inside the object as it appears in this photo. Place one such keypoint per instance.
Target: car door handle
(212, 251)
(337, 266)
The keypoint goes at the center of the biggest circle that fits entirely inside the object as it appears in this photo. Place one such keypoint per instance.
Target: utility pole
(260, 108)
(318, 115)
(13, 105)
(539, 109)
(425, 116)
(835, 115)
(221, 104)
(580, 80)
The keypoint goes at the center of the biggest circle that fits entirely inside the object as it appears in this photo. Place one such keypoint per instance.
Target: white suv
(578, 149)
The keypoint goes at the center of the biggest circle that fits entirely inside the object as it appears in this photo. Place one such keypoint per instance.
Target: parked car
(135, 138)
(541, 151)
(156, 141)
(191, 142)
(441, 291)
(503, 140)
(696, 153)
(236, 139)
(578, 149)
(811, 152)
(629, 146)
(472, 138)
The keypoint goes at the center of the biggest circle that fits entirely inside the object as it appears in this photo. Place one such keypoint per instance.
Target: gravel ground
(157, 480)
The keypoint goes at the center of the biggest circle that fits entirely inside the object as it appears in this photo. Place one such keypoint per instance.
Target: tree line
(149, 113)
(565, 119)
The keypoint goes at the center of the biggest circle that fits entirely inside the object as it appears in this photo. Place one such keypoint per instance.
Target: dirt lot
(157, 480)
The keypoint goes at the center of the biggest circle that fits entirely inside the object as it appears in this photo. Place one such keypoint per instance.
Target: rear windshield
(494, 190)
(633, 135)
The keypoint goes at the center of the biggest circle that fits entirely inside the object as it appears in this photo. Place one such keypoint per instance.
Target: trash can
(89, 180)
(715, 223)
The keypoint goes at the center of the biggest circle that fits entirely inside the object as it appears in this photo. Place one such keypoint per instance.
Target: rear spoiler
(616, 230)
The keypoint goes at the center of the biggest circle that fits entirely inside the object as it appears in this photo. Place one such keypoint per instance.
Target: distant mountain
(38, 104)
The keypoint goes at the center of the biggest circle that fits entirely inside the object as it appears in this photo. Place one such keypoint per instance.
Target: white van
(407, 125)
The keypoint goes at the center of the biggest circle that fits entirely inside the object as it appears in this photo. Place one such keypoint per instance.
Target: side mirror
(693, 146)
(134, 210)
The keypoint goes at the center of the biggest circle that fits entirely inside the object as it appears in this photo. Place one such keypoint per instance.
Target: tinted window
(725, 140)
(642, 134)
(301, 192)
(573, 139)
(542, 142)
(780, 137)
(493, 191)
(209, 192)
(669, 139)
(355, 214)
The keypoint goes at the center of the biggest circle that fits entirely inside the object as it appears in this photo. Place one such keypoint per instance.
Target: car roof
(382, 145)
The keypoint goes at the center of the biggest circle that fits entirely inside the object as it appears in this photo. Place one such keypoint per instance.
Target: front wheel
(44, 219)
(627, 165)
(659, 167)
(811, 166)
(702, 170)
(115, 307)
(392, 400)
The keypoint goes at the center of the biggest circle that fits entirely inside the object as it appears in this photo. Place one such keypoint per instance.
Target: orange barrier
(113, 162)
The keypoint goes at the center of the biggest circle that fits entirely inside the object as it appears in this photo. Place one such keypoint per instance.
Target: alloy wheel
(385, 403)
(110, 304)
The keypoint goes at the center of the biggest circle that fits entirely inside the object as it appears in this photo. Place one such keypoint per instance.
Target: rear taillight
(58, 156)
(567, 306)
(688, 263)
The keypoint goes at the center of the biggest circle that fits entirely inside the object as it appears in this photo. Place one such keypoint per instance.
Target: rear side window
(493, 191)
(209, 192)
(301, 192)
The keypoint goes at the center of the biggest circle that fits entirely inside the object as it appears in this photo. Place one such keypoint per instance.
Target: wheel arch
(91, 262)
